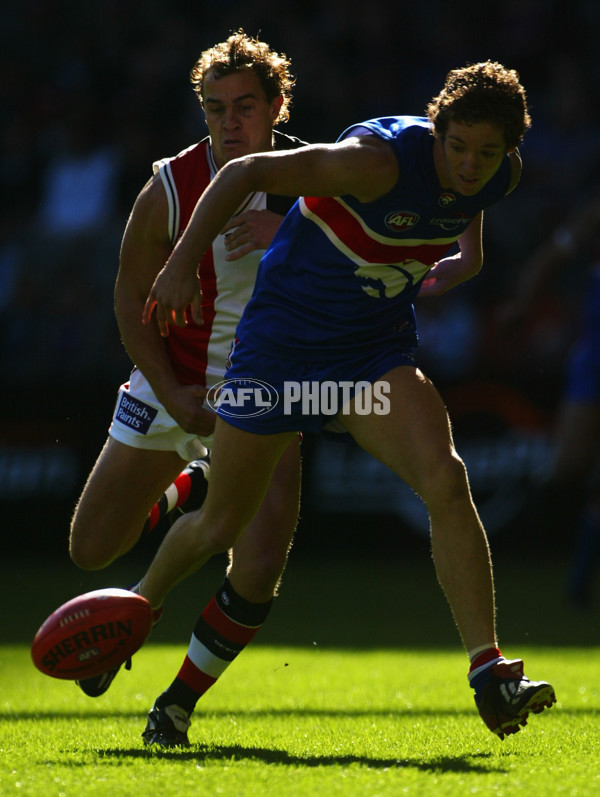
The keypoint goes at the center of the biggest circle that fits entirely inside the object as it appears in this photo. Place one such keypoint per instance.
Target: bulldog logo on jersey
(446, 199)
(401, 220)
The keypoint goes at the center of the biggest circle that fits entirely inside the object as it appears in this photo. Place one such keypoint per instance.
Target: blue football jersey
(341, 274)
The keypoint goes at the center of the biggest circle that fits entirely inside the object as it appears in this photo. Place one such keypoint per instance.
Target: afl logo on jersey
(401, 220)
(446, 199)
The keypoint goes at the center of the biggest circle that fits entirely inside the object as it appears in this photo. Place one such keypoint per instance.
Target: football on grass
(91, 634)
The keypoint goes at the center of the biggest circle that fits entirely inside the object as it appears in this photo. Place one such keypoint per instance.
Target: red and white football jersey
(198, 353)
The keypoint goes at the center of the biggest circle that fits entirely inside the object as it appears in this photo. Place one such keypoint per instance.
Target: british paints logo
(135, 413)
(401, 220)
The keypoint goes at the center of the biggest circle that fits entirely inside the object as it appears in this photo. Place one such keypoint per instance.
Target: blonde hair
(240, 52)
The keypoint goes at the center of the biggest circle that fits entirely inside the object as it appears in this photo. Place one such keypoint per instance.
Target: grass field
(298, 721)
(355, 686)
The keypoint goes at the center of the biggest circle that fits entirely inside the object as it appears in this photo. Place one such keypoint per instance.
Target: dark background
(91, 93)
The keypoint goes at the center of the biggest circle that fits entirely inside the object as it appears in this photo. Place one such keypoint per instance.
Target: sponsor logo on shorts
(253, 397)
(135, 414)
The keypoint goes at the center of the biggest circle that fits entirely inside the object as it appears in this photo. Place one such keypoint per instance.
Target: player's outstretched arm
(364, 167)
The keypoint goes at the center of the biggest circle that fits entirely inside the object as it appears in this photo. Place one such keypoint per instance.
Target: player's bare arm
(364, 167)
(145, 248)
(452, 271)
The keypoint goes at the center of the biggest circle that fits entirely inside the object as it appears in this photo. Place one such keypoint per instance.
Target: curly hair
(240, 52)
(484, 92)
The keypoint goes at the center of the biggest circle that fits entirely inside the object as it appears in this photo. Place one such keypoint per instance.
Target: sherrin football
(91, 634)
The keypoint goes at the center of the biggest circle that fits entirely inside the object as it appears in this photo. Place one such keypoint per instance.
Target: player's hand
(445, 275)
(184, 405)
(249, 232)
(173, 291)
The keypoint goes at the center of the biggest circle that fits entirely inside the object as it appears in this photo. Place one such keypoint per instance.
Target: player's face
(468, 156)
(238, 115)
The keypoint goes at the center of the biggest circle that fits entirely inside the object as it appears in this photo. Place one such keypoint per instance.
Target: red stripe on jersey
(226, 627)
(187, 346)
(194, 678)
(347, 229)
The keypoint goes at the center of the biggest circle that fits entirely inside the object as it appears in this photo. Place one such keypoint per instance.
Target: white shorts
(141, 421)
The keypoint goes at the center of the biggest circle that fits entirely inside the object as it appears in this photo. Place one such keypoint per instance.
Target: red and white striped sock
(227, 624)
(188, 492)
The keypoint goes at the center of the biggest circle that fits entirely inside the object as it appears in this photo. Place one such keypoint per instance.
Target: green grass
(301, 721)
(356, 687)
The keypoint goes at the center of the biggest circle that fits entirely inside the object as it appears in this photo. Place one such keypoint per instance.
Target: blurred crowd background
(93, 91)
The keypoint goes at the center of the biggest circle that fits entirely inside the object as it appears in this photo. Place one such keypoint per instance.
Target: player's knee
(86, 549)
(86, 556)
(445, 481)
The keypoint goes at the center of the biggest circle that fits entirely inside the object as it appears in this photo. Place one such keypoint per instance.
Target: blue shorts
(266, 394)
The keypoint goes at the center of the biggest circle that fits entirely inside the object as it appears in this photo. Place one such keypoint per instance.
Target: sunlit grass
(301, 721)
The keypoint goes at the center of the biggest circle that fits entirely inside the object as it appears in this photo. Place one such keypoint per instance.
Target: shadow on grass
(463, 763)
(269, 713)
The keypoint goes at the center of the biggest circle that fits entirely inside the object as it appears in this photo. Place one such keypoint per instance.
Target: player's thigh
(414, 437)
(122, 488)
(242, 465)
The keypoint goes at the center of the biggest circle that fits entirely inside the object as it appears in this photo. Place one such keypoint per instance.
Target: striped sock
(227, 624)
(187, 493)
(482, 660)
